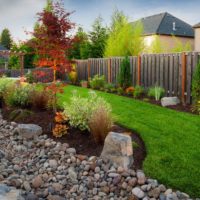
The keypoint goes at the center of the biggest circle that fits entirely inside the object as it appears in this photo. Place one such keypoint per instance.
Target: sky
(20, 15)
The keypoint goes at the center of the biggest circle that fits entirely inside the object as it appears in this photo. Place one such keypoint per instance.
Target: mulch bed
(80, 140)
(180, 107)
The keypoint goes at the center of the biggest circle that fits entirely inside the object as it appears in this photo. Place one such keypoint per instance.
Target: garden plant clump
(97, 82)
(156, 92)
(85, 113)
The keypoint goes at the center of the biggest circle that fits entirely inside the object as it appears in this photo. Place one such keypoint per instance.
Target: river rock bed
(41, 168)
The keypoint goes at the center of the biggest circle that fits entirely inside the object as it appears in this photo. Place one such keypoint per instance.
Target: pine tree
(6, 40)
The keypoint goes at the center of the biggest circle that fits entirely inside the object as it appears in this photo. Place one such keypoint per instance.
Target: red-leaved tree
(52, 41)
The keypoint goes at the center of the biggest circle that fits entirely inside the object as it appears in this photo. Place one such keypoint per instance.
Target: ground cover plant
(156, 92)
(172, 152)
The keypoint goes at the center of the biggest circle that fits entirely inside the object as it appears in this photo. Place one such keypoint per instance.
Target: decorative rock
(71, 151)
(141, 177)
(169, 101)
(53, 164)
(138, 192)
(2, 154)
(57, 187)
(154, 193)
(31, 196)
(118, 149)
(37, 182)
(29, 131)
(27, 186)
(169, 191)
(72, 174)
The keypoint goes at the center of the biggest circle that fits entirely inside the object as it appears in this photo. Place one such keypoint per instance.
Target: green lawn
(172, 139)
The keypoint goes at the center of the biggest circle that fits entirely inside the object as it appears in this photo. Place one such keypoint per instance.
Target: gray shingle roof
(166, 24)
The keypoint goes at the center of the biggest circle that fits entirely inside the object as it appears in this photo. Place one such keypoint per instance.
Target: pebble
(138, 192)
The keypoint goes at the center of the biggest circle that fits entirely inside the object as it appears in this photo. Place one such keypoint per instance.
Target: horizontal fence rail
(172, 71)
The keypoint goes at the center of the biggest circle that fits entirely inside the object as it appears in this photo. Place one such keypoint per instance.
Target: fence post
(109, 70)
(183, 76)
(139, 70)
(88, 69)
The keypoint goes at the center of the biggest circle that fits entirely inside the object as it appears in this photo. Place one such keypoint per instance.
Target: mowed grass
(172, 139)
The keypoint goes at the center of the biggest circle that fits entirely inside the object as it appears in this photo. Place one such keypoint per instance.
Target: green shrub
(19, 96)
(124, 76)
(30, 77)
(156, 92)
(80, 110)
(138, 92)
(196, 84)
(97, 82)
(196, 107)
(109, 87)
(120, 91)
(4, 84)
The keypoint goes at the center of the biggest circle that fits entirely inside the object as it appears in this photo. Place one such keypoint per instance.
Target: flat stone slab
(118, 149)
(29, 131)
(170, 101)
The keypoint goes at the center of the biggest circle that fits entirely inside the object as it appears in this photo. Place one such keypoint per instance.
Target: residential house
(166, 27)
(197, 37)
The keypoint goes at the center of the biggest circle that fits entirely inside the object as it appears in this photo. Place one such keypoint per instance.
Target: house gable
(166, 24)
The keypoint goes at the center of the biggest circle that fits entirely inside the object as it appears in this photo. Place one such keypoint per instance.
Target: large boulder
(118, 149)
(170, 101)
(29, 131)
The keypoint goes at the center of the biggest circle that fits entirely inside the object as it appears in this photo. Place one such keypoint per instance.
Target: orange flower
(130, 90)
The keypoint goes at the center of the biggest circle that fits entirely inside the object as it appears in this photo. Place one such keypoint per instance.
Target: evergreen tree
(124, 76)
(5, 38)
(196, 84)
(81, 45)
(98, 37)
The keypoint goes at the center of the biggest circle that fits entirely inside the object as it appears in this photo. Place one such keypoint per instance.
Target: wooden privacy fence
(173, 72)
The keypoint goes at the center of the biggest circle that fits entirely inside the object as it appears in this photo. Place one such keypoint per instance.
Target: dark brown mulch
(180, 107)
(80, 140)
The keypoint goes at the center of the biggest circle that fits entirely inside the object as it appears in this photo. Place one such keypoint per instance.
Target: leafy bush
(100, 123)
(120, 91)
(30, 77)
(72, 77)
(80, 110)
(139, 90)
(4, 84)
(109, 87)
(97, 82)
(196, 84)
(19, 95)
(156, 92)
(124, 76)
(196, 107)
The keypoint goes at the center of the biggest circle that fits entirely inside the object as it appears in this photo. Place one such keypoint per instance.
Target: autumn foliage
(52, 41)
